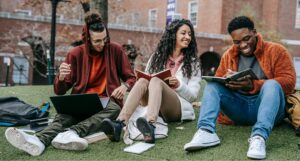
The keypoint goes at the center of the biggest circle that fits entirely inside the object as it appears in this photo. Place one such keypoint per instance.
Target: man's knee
(114, 109)
(271, 85)
(213, 86)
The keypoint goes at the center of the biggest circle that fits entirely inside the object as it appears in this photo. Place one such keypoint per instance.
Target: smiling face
(98, 40)
(183, 37)
(245, 40)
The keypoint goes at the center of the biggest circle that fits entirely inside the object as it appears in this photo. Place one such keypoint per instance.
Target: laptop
(77, 104)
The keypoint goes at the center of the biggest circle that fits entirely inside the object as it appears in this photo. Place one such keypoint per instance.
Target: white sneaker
(202, 139)
(69, 140)
(25, 142)
(257, 148)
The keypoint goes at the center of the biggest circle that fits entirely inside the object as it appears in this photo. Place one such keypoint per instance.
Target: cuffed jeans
(262, 110)
(83, 127)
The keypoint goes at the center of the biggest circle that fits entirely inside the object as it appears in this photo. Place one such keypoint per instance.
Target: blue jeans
(262, 110)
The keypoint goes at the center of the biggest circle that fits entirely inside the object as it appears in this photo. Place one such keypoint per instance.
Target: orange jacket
(274, 59)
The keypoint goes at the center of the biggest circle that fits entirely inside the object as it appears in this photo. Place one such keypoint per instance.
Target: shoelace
(68, 134)
(256, 142)
(198, 133)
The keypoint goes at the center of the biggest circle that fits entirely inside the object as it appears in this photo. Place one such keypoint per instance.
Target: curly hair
(167, 45)
(240, 22)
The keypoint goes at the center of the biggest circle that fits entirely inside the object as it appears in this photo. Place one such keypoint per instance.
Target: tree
(268, 34)
(102, 7)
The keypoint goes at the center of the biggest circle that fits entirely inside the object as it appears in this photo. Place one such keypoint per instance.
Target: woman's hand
(172, 82)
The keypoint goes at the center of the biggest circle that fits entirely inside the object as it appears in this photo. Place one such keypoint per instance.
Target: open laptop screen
(77, 104)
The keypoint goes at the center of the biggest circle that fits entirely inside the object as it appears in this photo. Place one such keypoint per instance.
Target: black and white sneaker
(147, 129)
(112, 129)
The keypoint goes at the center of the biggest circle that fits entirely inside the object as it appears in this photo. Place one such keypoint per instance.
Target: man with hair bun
(260, 102)
(96, 66)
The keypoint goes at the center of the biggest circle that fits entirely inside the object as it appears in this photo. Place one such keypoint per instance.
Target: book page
(241, 75)
(104, 101)
(163, 74)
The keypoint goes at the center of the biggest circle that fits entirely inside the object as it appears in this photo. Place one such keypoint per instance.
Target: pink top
(173, 64)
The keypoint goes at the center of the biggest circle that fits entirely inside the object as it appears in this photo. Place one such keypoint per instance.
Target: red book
(161, 75)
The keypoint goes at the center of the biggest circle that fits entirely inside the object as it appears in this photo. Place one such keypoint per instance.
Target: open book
(238, 76)
(161, 75)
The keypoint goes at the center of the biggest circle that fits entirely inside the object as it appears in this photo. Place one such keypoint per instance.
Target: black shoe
(147, 129)
(112, 129)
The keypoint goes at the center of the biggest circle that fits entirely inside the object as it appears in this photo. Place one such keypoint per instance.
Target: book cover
(238, 76)
(95, 137)
(215, 79)
(138, 148)
(161, 75)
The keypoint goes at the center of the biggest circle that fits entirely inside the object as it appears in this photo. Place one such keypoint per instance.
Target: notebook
(77, 104)
(138, 147)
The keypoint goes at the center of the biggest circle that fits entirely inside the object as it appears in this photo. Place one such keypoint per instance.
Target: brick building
(135, 22)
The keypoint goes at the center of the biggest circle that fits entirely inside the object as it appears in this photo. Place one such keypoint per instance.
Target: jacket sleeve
(127, 75)
(190, 90)
(283, 72)
(61, 87)
(225, 64)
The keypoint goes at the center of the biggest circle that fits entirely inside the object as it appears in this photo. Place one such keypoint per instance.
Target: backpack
(293, 110)
(14, 112)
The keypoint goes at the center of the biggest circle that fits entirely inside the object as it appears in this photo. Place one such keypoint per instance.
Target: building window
(297, 23)
(20, 12)
(20, 70)
(297, 68)
(120, 19)
(193, 12)
(135, 19)
(152, 17)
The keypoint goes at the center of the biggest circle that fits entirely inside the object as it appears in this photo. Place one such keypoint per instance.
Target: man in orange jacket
(258, 102)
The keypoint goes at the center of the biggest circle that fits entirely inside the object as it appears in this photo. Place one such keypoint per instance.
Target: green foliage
(268, 34)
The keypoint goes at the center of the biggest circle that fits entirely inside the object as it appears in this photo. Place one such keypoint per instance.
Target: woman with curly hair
(177, 51)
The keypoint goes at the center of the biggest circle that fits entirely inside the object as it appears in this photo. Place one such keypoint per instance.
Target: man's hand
(243, 84)
(229, 73)
(119, 92)
(64, 70)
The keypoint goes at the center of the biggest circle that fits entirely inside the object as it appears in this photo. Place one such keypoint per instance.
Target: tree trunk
(102, 7)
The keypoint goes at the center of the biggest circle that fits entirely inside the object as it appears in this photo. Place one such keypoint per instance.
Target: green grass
(282, 144)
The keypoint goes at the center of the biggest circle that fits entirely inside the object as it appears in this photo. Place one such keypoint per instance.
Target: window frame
(152, 20)
(190, 12)
(297, 17)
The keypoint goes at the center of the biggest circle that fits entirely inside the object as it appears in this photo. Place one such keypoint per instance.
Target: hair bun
(92, 17)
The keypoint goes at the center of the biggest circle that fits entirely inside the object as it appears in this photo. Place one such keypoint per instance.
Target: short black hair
(240, 22)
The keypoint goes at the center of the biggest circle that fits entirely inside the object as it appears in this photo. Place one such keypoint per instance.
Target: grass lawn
(282, 144)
